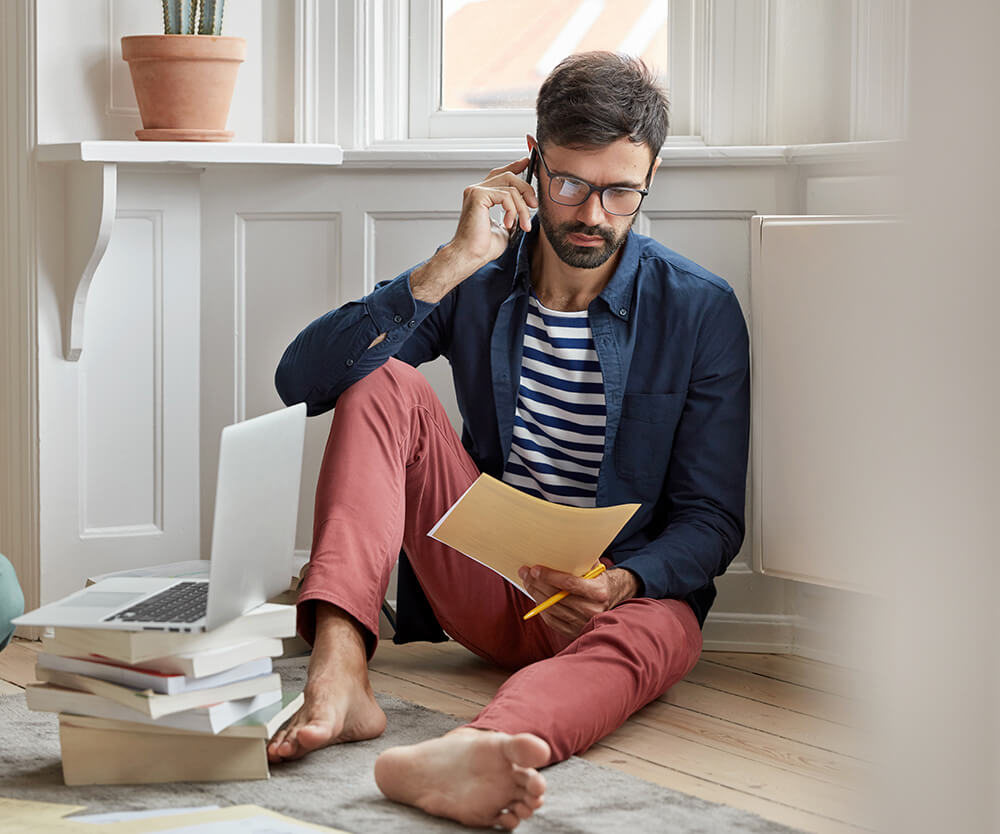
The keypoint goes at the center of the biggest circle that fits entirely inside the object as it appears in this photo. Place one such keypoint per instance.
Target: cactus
(181, 16)
(211, 17)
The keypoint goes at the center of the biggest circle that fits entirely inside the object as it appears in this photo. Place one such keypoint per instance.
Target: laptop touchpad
(102, 599)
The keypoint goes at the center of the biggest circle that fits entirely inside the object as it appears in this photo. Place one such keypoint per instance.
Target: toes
(280, 747)
(532, 801)
(507, 820)
(522, 810)
(315, 734)
(530, 781)
(527, 750)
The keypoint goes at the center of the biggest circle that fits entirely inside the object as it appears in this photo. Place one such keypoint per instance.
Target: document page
(503, 528)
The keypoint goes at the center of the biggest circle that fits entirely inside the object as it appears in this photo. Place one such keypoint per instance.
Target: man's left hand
(587, 597)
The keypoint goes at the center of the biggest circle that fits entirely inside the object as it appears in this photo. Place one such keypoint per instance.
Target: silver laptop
(253, 538)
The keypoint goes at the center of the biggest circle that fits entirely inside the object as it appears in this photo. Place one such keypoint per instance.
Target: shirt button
(349, 362)
(623, 311)
(411, 323)
(397, 319)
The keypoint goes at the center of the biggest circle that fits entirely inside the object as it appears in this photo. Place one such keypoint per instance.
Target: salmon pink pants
(393, 465)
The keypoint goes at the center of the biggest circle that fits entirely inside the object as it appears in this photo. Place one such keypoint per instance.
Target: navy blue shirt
(674, 352)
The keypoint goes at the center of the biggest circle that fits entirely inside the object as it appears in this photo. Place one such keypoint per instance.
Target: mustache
(590, 231)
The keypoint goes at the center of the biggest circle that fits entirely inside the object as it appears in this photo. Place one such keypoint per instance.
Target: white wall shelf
(195, 154)
(91, 179)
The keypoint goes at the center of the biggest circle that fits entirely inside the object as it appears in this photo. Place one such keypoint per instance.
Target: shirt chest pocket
(645, 438)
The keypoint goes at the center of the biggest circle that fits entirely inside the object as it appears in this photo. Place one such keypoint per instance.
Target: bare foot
(333, 713)
(477, 777)
(339, 703)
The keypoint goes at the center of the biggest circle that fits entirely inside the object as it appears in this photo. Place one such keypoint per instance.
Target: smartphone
(529, 172)
(517, 232)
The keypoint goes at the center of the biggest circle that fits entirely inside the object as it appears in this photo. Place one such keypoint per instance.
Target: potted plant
(184, 79)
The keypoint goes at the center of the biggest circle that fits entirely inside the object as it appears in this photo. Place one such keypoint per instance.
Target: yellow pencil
(552, 600)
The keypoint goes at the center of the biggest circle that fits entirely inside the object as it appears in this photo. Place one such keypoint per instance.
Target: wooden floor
(769, 734)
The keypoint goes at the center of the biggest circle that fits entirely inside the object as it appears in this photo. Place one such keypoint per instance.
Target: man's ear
(532, 142)
(652, 170)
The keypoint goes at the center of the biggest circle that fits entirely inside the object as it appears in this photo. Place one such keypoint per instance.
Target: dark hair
(595, 98)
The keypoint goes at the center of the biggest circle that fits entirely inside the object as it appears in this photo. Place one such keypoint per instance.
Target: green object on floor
(11, 600)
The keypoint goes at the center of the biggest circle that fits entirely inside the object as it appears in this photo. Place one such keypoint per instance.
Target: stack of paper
(151, 706)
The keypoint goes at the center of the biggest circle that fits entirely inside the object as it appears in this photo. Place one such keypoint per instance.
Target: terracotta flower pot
(184, 84)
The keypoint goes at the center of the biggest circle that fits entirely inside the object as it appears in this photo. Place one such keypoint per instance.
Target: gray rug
(335, 786)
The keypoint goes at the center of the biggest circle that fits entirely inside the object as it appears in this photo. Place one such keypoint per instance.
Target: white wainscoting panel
(396, 241)
(854, 195)
(121, 448)
(288, 272)
(716, 240)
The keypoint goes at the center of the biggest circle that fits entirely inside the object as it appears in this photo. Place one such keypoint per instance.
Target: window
(476, 65)
(496, 53)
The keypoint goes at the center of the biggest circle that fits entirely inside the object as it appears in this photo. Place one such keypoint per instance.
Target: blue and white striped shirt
(560, 419)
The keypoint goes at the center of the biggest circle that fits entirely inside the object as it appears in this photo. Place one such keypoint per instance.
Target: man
(592, 366)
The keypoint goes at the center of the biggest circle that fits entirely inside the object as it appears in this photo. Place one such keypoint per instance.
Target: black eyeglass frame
(642, 192)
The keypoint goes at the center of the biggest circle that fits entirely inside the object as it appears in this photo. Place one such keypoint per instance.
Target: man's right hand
(478, 240)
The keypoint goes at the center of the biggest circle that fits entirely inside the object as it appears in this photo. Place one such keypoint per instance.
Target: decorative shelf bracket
(91, 187)
(91, 201)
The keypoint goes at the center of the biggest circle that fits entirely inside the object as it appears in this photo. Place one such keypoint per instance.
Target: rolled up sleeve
(333, 352)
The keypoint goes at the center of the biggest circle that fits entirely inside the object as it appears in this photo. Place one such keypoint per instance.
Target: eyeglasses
(570, 191)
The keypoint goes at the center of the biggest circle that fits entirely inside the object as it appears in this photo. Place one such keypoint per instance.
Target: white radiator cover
(826, 336)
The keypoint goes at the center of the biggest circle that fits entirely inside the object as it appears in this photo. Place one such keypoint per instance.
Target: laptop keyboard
(184, 602)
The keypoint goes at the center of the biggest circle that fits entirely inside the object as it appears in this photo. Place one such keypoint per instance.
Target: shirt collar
(618, 292)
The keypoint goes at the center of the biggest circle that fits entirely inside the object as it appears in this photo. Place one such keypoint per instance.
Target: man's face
(587, 235)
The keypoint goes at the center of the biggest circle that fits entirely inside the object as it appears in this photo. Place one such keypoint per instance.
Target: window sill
(458, 154)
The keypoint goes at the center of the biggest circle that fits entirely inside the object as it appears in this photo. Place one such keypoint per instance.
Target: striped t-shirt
(559, 423)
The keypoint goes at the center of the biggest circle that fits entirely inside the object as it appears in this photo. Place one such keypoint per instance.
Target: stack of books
(140, 707)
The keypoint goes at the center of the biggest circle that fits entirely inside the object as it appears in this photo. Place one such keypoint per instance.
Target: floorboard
(774, 691)
(17, 663)
(780, 722)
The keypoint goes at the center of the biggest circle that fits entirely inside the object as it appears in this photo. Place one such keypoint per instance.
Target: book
(156, 705)
(107, 757)
(196, 664)
(189, 569)
(139, 754)
(135, 677)
(47, 697)
(132, 647)
(533, 532)
(263, 723)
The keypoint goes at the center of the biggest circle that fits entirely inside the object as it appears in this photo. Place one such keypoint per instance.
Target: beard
(582, 257)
